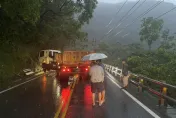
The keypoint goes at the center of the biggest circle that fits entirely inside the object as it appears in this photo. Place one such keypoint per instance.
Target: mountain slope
(105, 12)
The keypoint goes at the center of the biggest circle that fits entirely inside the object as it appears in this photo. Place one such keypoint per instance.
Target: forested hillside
(157, 63)
(28, 26)
(105, 12)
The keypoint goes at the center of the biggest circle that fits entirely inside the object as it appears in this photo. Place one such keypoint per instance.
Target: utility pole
(94, 44)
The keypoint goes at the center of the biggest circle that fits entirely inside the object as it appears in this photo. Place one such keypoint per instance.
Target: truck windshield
(41, 53)
(50, 54)
(53, 54)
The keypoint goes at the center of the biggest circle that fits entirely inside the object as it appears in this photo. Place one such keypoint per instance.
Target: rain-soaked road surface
(40, 98)
(118, 104)
(36, 99)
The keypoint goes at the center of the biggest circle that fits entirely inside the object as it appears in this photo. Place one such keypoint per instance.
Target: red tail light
(65, 70)
(86, 69)
(68, 70)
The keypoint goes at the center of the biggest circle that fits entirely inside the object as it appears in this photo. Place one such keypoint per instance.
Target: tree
(43, 20)
(67, 14)
(117, 51)
(150, 30)
(168, 41)
(27, 26)
(159, 65)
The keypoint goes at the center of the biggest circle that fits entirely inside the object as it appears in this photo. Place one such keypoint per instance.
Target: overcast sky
(115, 1)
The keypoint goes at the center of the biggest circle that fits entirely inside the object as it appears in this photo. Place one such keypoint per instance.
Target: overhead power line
(117, 13)
(126, 15)
(125, 35)
(118, 23)
(161, 15)
(112, 19)
(166, 13)
(122, 17)
(140, 16)
(134, 10)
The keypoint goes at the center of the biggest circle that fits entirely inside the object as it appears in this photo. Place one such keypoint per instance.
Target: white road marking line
(18, 85)
(132, 97)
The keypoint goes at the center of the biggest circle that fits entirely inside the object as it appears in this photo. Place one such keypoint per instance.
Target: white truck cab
(48, 57)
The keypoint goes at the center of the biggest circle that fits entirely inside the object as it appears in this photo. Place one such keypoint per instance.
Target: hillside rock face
(105, 12)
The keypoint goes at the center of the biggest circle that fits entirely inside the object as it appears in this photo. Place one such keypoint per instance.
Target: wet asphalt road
(36, 99)
(117, 105)
(40, 98)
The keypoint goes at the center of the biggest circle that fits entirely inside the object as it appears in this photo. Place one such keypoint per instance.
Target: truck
(50, 59)
(65, 63)
(71, 63)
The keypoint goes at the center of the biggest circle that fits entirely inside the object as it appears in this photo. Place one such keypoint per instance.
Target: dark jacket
(125, 69)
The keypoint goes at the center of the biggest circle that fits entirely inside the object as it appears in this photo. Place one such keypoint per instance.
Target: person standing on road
(125, 74)
(97, 77)
(103, 92)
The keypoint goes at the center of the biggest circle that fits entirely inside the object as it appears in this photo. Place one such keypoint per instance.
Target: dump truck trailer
(71, 64)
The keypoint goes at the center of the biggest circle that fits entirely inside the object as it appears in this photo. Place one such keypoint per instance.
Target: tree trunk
(150, 44)
(150, 47)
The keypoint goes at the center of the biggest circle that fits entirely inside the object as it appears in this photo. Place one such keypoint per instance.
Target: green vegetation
(150, 30)
(27, 26)
(104, 12)
(159, 64)
(118, 51)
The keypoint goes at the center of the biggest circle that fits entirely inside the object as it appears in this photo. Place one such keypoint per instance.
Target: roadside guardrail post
(108, 68)
(151, 85)
(111, 69)
(141, 82)
(162, 101)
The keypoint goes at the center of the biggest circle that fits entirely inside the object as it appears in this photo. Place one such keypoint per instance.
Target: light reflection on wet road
(37, 99)
(117, 105)
(42, 97)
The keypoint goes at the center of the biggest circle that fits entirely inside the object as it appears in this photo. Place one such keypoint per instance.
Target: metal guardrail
(139, 81)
